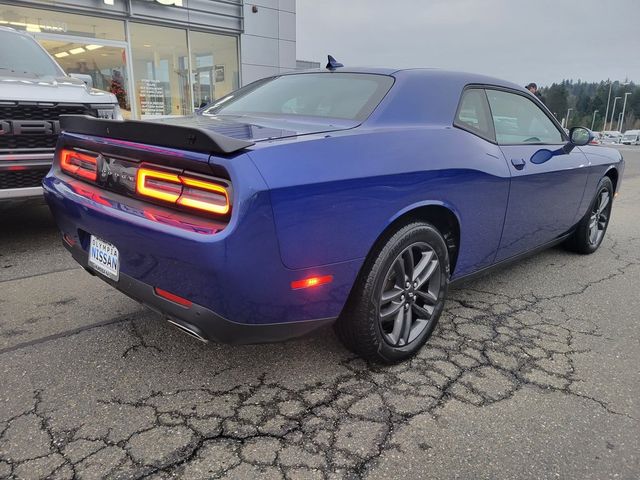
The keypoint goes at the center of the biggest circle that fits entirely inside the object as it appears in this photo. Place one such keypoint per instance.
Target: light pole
(606, 114)
(567, 122)
(624, 104)
(613, 111)
(593, 120)
(619, 119)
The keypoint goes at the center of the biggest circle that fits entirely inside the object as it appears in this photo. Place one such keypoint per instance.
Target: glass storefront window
(48, 21)
(165, 80)
(160, 70)
(214, 66)
(105, 64)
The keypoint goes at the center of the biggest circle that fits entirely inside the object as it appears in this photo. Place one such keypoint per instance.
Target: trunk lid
(256, 128)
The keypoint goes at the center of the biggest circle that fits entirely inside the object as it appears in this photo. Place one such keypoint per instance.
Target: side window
(518, 120)
(473, 114)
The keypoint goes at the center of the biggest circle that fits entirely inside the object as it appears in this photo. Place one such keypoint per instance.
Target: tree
(556, 99)
(585, 98)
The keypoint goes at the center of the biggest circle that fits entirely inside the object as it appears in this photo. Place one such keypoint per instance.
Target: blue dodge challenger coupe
(345, 196)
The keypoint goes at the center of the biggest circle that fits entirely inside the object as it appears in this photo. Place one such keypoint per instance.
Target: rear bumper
(235, 278)
(200, 321)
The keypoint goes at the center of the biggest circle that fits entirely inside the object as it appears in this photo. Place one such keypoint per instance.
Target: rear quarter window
(474, 115)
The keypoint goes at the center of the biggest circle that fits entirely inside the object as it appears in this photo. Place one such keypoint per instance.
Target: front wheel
(590, 231)
(398, 297)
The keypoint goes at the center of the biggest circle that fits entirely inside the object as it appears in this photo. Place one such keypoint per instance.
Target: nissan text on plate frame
(103, 258)
(351, 197)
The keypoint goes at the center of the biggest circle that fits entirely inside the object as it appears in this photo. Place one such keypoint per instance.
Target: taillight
(161, 185)
(79, 164)
(203, 195)
(183, 190)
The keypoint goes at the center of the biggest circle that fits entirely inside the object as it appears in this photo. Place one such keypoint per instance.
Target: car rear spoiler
(154, 133)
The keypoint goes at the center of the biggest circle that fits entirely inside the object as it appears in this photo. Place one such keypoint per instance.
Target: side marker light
(311, 282)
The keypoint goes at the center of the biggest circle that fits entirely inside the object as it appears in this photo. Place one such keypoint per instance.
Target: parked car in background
(596, 138)
(631, 137)
(34, 93)
(345, 196)
(611, 137)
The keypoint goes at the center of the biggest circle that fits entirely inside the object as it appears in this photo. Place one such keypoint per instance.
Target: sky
(542, 41)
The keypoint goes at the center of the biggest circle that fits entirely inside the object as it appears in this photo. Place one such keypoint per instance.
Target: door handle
(518, 163)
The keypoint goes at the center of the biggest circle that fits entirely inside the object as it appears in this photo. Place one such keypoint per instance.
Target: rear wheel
(398, 297)
(590, 231)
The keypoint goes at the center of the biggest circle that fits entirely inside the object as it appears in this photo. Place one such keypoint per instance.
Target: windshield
(349, 96)
(22, 54)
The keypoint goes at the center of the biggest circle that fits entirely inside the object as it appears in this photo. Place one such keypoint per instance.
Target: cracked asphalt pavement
(533, 372)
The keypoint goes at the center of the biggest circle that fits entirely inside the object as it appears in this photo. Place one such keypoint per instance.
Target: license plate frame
(104, 258)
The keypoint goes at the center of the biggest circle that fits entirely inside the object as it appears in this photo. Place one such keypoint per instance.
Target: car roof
(370, 70)
(424, 72)
(419, 95)
(426, 95)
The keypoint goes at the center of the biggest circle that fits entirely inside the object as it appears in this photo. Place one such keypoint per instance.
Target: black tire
(368, 325)
(584, 240)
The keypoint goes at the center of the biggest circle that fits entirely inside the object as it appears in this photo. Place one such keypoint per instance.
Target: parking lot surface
(533, 372)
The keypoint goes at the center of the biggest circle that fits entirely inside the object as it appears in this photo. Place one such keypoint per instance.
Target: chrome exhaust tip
(189, 330)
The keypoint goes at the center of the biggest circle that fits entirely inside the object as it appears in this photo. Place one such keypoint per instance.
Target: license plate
(104, 258)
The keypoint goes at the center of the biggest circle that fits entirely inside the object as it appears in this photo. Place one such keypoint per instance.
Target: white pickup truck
(34, 92)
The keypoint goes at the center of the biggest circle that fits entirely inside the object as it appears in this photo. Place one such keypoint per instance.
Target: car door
(481, 203)
(544, 197)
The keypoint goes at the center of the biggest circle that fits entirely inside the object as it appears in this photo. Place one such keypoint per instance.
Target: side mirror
(88, 81)
(580, 136)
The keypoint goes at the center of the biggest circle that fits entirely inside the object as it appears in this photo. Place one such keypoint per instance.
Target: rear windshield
(349, 96)
(22, 54)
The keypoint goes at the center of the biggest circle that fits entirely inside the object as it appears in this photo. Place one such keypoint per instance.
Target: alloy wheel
(409, 295)
(599, 217)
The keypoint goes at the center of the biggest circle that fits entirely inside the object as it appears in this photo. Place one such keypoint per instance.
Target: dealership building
(162, 57)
